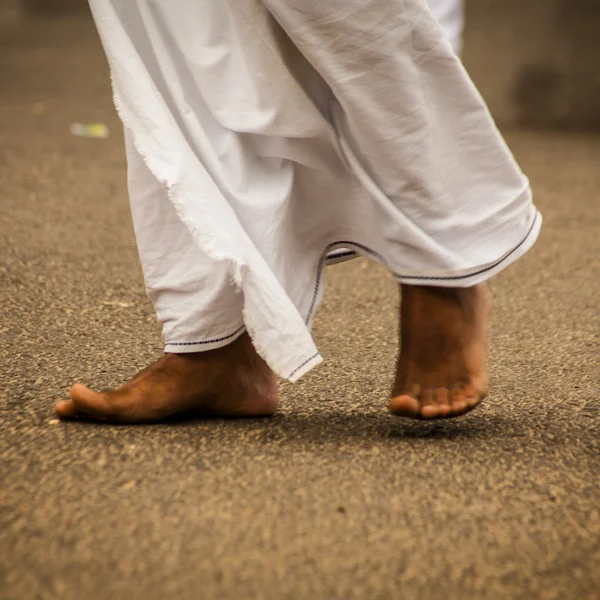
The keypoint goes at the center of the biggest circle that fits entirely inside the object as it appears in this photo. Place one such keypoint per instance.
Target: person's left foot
(441, 370)
(231, 382)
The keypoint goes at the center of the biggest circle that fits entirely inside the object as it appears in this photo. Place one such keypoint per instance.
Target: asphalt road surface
(331, 499)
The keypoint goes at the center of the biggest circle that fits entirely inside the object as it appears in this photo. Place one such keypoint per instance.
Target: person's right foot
(441, 370)
(232, 381)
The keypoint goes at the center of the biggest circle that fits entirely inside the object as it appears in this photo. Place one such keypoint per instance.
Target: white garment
(450, 15)
(263, 136)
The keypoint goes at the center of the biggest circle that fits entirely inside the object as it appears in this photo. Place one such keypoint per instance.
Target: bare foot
(441, 369)
(232, 381)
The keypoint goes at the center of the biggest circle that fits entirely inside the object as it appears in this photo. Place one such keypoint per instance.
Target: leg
(441, 370)
(210, 364)
(439, 198)
(433, 160)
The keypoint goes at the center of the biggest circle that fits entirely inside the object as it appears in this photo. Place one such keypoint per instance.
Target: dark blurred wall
(536, 62)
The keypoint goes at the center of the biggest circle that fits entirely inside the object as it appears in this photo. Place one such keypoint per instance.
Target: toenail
(429, 412)
(444, 409)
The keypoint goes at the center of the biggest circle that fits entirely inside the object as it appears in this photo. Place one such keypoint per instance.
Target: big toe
(85, 401)
(405, 406)
(69, 409)
(65, 409)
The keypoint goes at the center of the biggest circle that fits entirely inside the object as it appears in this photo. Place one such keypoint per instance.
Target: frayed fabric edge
(240, 273)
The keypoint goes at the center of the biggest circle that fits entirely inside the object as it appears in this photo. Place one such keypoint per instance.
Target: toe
(443, 402)
(65, 409)
(472, 397)
(459, 404)
(91, 404)
(405, 406)
(429, 407)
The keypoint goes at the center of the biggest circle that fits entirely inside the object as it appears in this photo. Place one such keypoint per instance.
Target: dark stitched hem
(346, 254)
(214, 341)
(302, 365)
(383, 261)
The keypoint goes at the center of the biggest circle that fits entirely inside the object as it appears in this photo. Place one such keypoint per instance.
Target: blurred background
(537, 63)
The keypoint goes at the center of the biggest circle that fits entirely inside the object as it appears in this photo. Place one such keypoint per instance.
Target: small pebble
(117, 303)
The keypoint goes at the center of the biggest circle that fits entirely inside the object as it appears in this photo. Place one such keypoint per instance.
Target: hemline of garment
(330, 257)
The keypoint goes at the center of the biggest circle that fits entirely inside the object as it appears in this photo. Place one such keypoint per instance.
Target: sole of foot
(442, 366)
(232, 381)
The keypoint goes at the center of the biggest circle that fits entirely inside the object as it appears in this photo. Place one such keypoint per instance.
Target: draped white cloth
(263, 136)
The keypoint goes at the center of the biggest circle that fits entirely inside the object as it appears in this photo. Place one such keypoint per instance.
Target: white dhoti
(264, 138)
